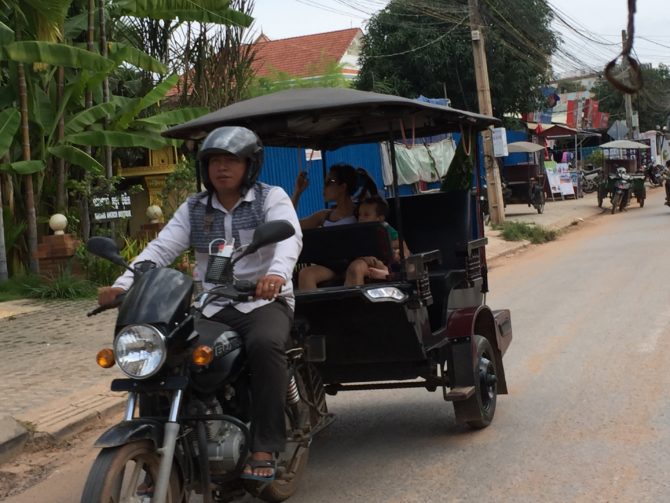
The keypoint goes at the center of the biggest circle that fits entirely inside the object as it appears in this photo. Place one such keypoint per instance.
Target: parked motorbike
(590, 179)
(621, 183)
(187, 421)
(654, 174)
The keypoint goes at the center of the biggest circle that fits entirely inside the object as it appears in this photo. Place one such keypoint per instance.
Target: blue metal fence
(282, 165)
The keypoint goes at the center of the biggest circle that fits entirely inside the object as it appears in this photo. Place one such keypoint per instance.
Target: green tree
(652, 102)
(424, 47)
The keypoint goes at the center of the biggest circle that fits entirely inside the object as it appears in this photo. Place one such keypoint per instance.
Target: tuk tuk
(622, 167)
(524, 182)
(427, 325)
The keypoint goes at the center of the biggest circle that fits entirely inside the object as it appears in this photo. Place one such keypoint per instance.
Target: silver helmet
(236, 140)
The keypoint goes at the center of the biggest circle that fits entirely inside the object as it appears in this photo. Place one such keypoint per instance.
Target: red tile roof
(303, 56)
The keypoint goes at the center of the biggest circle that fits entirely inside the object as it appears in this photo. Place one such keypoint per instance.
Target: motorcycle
(655, 174)
(621, 183)
(188, 381)
(590, 179)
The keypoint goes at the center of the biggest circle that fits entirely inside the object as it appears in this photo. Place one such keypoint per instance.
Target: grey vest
(206, 226)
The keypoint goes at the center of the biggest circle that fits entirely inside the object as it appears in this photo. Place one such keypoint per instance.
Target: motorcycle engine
(225, 442)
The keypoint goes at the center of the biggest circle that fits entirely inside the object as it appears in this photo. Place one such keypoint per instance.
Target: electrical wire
(448, 32)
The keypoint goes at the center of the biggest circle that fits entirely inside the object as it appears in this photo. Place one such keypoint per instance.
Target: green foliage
(98, 271)
(459, 176)
(178, 186)
(18, 287)
(652, 102)
(520, 231)
(413, 49)
(204, 11)
(596, 158)
(63, 286)
(9, 125)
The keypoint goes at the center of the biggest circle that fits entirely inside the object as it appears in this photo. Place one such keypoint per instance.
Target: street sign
(108, 208)
(618, 131)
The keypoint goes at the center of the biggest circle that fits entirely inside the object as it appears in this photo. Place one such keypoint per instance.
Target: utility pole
(628, 102)
(494, 187)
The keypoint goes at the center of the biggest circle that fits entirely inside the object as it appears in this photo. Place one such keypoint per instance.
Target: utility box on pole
(494, 187)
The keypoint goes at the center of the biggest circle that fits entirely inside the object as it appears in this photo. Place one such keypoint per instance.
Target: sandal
(260, 463)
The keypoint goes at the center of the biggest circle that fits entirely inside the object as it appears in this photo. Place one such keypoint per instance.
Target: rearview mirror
(269, 233)
(105, 248)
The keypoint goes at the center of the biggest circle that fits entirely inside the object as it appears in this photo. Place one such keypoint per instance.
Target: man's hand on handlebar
(268, 287)
(107, 294)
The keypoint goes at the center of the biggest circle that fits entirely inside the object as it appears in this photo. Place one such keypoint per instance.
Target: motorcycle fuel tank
(228, 355)
(160, 296)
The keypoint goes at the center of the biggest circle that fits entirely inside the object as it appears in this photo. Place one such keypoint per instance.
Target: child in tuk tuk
(371, 209)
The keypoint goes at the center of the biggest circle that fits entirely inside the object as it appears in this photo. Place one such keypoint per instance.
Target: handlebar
(240, 291)
(117, 302)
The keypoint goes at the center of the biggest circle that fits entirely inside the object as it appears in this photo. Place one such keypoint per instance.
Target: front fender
(127, 432)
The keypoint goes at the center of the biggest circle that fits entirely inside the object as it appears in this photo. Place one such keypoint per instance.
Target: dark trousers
(265, 331)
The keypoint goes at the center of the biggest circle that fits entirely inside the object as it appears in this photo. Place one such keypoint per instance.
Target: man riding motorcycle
(233, 205)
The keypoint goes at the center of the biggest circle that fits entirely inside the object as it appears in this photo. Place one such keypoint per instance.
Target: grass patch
(520, 231)
(18, 287)
(64, 286)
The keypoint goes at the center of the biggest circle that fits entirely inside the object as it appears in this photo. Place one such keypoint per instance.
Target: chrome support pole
(167, 451)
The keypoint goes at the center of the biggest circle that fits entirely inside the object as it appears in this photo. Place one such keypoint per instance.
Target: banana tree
(9, 125)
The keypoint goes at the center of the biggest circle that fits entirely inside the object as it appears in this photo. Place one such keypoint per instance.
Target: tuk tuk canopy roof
(524, 147)
(328, 118)
(624, 144)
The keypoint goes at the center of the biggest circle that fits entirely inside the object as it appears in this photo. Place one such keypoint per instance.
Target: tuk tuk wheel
(486, 386)
(641, 201)
(601, 197)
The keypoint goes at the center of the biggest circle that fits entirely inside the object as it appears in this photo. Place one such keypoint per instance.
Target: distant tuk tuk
(427, 324)
(622, 167)
(523, 183)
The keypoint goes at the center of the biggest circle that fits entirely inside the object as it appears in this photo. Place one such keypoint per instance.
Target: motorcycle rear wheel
(118, 474)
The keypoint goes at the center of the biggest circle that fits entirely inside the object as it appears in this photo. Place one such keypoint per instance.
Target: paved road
(50, 352)
(586, 420)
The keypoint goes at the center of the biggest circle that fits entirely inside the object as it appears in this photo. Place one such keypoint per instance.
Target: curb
(58, 421)
(13, 437)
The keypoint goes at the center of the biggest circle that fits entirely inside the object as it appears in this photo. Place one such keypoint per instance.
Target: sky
(600, 20)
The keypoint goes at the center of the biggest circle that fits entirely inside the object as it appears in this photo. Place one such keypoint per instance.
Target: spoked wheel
(616, 201)
(486, 387)
(126, 474)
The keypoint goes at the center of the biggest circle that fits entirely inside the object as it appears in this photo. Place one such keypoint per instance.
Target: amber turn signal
(105, 358)
(202, 355)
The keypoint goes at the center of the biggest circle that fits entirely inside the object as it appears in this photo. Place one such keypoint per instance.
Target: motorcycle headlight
(140, 351)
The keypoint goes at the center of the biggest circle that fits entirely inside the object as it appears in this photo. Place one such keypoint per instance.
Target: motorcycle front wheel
(127, 474)
(616, 201)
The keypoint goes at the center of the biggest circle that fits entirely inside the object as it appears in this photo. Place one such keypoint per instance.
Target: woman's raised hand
(301, 182)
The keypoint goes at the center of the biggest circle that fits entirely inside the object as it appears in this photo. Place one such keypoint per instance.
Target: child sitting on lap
(372, 209)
